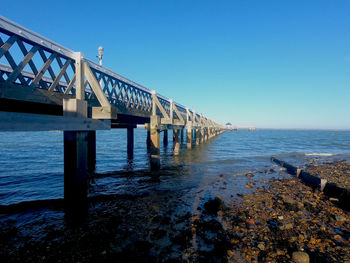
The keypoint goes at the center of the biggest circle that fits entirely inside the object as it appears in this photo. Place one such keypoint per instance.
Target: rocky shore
(279, 220)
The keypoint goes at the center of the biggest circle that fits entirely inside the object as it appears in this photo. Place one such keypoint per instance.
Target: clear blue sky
(277, 64)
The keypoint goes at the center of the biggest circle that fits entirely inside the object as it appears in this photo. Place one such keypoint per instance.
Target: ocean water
(31, 163)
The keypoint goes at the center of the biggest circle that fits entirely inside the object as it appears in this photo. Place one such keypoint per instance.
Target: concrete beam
(15, 121)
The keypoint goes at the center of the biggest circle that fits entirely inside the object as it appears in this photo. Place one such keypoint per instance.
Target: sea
(31, 163)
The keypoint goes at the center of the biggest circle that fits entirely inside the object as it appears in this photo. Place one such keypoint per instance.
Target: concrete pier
(91, 151)
(130, 142)
(165, 138)
(189, 137)
(201, 135)
(148, 136)
(198, 136)
(75, 166)
(155, 142)
(176, 142)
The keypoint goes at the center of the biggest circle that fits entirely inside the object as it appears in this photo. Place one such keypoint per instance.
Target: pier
(45, 86)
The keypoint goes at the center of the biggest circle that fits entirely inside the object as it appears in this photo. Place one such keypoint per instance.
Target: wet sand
(279, 216)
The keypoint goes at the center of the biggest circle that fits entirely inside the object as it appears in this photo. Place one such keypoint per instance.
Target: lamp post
(100, 54)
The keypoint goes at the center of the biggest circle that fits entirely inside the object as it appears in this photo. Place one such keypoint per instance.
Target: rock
(212, 206)
(300, 257)
(340, 218)
(261, 246)
(286, 226)
(249, 175)
(250, 221)
(290, 203)
(157, 234)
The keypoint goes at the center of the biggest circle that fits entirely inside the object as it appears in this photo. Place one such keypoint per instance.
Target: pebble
(300, 257)
(261, 246)
(286, 226)
(340, 218)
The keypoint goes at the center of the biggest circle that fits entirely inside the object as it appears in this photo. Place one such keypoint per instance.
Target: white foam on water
(319, 154)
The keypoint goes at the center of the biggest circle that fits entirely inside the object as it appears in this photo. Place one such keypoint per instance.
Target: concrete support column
(75, 167)
(79, 149)
(155, 142)
(148, 138)
(165, 138)
(202, 135)
(130, 142)
(181, 135)
(198, 134)
(189, 137)
(91, 151)
(176, 142)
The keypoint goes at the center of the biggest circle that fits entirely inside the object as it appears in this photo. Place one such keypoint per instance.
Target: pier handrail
(49, 66)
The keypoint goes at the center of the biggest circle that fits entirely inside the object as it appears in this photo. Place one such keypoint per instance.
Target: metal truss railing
(30, 61)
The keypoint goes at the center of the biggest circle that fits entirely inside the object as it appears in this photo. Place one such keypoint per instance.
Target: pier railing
(36, 69)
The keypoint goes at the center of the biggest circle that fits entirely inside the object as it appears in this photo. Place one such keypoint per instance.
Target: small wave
(319, 154)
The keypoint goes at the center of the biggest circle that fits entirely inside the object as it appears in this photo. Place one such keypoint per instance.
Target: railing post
(171, 115)
(79, 79)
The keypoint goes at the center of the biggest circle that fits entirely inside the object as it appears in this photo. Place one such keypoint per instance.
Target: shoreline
(277, 218)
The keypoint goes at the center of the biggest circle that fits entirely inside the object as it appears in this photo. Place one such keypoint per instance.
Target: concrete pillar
(79, 149)
(75, 167)
(165, 138)
(202, 135)
(130, 142)
(189, 138)
(198, 134)
(181, 135)
(91, 151)
(148, 138)
(155, 142)
(176, 142)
